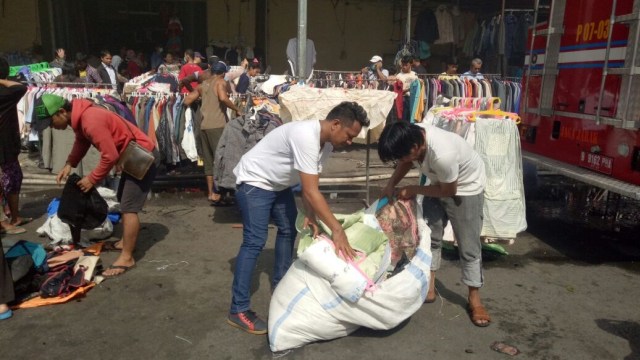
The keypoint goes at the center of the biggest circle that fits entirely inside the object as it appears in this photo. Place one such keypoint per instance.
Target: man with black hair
(108, 73)
(188, 68)
(215, 101)
(290, 154)
(11, 175)
(452, 70)
(110, 134)
(455, 193)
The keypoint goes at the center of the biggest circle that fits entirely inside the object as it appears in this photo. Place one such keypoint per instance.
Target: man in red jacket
(110, 134)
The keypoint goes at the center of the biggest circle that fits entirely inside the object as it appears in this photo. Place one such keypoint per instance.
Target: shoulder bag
(135, 160)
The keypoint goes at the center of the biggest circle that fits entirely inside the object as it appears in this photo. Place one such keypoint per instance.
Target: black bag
(57, 284)
(81, 210)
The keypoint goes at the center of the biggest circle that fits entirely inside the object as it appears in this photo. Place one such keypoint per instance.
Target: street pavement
(563, 292)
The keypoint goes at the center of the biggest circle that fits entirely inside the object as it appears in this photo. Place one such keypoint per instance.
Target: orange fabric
(94, 249)
(39, 301)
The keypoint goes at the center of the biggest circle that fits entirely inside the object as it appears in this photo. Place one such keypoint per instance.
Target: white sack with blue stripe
(323, 297)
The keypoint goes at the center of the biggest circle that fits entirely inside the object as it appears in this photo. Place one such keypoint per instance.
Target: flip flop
(15, 231)
(219, 203)
(110, 246)
(120, 267)
(5, 315)
(24, 221)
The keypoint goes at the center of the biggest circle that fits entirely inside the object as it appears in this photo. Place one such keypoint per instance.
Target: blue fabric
(24, 247)
(52, 209)
(257, 207)
(415, 97)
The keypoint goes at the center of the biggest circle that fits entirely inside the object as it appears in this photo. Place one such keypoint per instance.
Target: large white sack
(306, 308)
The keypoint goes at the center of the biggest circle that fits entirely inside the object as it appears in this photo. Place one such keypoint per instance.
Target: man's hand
(312, 224)
(63, 174)
(388, 192)
(407, 192)
(85, 184)
(341, 243)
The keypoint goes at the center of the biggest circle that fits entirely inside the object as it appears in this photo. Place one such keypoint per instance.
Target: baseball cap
(198, 55)
(375, 59)
(46, 106)
(213, 59)
(219, 67)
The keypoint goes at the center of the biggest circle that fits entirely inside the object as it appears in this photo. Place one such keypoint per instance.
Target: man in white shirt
(289, 155)
(375, 73)
(474, 70)
(455, 193)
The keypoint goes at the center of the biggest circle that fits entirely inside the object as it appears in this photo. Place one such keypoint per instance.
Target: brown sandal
(478, 314)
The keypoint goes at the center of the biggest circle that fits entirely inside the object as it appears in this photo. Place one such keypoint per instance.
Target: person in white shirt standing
(455, 193)
(289, 155)
(406, 76)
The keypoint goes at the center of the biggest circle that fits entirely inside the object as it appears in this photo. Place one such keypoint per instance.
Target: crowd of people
(292, 154)
(107, 69)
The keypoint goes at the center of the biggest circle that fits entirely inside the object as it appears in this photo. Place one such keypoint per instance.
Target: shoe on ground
(249, 322)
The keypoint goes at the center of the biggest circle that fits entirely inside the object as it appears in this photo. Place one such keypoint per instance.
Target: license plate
(597, 162)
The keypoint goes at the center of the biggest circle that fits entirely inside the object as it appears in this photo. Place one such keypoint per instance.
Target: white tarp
(306, 306)
(307, 103)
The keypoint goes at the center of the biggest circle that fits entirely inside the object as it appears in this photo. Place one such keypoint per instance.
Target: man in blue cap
(215, 102)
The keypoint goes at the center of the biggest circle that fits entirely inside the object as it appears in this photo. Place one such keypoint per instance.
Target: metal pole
(612, 19)
(408, 34)
(302, 38)
(528, 73)
(503, 58)
(367, 165)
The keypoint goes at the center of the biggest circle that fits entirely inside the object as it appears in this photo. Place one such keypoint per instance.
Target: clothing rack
(518, 10)
(70, 84)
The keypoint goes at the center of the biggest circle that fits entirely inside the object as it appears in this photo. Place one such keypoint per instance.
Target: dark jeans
(257, 207)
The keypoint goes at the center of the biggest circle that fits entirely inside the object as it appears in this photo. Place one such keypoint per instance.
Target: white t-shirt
(275, 162)
(450, 157)
(407, 79)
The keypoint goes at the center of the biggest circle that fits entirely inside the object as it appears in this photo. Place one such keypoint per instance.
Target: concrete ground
(563, 292)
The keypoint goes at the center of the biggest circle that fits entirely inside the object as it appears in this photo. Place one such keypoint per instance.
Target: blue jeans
(257, 207)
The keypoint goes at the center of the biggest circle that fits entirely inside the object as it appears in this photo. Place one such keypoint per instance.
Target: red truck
(581, 92)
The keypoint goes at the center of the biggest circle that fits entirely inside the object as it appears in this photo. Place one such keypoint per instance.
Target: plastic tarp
(307, 103)
(323, 297)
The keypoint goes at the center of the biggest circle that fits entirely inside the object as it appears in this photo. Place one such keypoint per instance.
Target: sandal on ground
(219, 203)
(117, 267)
(24, 221)
(110, 246)
(478, 314)
(5, 315)
(14, 231)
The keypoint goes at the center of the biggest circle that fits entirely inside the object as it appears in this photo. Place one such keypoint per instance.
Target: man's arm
(398, 174)
(9, 83)
(186, 82)
(193, 96)
(439, 190)
(311, 194)
(224, 98)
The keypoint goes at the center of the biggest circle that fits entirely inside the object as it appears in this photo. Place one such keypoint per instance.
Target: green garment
(361, 237)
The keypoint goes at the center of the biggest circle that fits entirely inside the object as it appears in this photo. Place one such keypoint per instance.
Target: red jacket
(108, 132)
